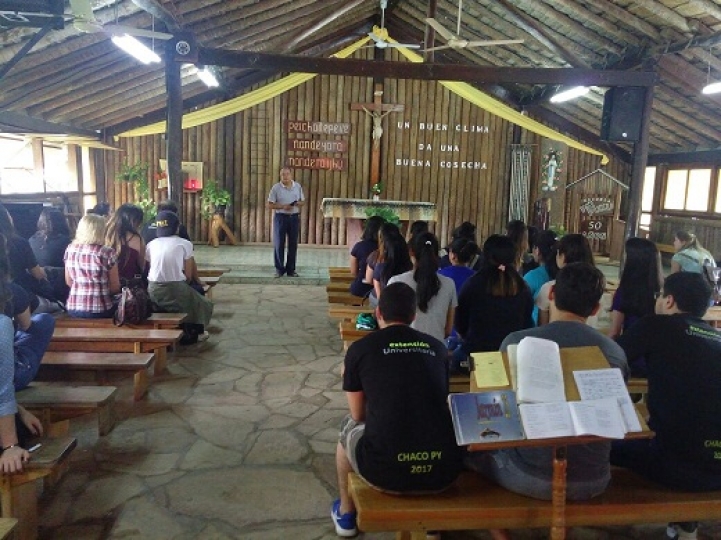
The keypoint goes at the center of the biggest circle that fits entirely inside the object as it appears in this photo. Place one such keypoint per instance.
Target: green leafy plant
(377, 188)
(386, 213)
(137, 174)
(213, 197)
(559, 229)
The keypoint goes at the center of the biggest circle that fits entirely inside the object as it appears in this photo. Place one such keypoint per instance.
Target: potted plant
(214, 199)
(376, 190)
(137, 174)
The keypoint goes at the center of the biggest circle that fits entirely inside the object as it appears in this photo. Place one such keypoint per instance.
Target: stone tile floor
(236, 442)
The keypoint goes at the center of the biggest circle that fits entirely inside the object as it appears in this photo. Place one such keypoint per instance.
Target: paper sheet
(489, 370)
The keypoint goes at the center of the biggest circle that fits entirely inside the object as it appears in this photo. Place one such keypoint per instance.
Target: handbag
(134, 305)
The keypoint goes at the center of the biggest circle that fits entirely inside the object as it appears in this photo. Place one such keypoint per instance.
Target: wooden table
(572, 359)
(713, 316)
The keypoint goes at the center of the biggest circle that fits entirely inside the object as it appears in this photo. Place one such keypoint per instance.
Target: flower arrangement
(377, 188)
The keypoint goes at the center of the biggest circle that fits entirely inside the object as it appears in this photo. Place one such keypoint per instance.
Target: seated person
(149, 232)
(682, 355)
(529, 471)
(435, 294)
(32, 332)
(122, 235)
(397, 407)
(13, 456)
(393, 259)
(49, 244)
(24, 268)
(359, 256)
(171, 267)
(91, 271)
(465, 230)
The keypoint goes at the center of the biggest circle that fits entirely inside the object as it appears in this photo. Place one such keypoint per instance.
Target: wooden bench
(666, 248)
(337, 287)
(346, 299)
(347, 313)
(338, 271)
(476, 503)
(7, 528)
(18, 492)
(57, 363)
(349, 333)
(211, 272)
(157, 321)
(713, 316)
(117, 340)
(55, 402)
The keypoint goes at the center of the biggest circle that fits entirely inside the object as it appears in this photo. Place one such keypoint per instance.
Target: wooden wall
(245, 152)
(708, 231)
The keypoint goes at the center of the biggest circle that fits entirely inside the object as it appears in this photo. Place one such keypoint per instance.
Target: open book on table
(605, 408)
(480, 417)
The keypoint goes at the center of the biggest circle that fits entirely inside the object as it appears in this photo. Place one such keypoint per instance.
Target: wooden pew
(713, 316)
(210, 282)
(476, 503)
(211, 271)
(55, 402)
(157, 321)
(18, 492)
(347, 313)
(666, 248)
(346, 299)
(338, 271)
(117, 340)
(336, 287)
(349, 333)
(57, 363)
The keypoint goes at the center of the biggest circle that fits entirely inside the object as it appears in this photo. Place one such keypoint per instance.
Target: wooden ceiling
(83, 83)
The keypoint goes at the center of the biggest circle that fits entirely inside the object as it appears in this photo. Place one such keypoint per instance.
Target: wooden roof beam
(320, 24)
(14, 122)
(409, 70)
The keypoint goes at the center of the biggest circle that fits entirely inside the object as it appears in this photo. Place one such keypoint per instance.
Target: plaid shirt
(88, 265)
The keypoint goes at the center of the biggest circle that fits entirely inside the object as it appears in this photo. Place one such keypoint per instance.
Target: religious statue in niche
(550, 169)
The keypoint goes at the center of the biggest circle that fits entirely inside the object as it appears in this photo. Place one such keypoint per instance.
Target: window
(649, 182)
(19, 173)
(687, 190)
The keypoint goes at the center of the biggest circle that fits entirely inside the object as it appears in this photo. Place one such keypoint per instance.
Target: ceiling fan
(84, 21)
(454, 41)
(379, 38)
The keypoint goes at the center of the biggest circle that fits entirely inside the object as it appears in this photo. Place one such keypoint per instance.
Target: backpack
(366, 321)
(134, 306)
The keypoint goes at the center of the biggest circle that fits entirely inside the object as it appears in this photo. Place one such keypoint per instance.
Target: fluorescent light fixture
(208, 77)
(712, 88)
(571, 93)
(136, 49)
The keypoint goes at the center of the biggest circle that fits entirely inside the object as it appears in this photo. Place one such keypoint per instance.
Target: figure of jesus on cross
(377, 111)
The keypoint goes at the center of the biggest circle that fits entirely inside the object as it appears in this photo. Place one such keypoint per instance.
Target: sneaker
(203, 337)
(293, 274)
(682, 531)
(344, 524)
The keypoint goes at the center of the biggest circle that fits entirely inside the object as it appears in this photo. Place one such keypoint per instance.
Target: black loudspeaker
(622, 108)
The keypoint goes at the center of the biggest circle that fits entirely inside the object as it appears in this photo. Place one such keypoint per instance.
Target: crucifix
(377, 111)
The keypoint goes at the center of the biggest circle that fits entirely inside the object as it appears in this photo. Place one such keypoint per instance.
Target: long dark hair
(546, 243)
(124, 221)
(372, 226)
(641, 277)
(500, 276)
(392, 252)
(52, 223)
(425, 252)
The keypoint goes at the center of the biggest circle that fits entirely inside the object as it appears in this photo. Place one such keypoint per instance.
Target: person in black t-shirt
(683, 357)
(399, 434)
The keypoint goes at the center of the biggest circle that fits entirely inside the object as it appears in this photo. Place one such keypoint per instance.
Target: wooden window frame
(714, 186)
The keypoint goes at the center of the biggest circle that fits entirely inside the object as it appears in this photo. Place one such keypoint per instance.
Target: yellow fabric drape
(492, 105)
(269, 91)
(246, 101)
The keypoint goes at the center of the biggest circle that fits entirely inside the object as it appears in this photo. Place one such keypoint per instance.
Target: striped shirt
(88, 265)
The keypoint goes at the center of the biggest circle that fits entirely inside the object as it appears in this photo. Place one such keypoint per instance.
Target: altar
(354, 212)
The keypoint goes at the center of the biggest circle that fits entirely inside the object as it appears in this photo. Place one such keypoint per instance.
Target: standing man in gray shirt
(285, 198)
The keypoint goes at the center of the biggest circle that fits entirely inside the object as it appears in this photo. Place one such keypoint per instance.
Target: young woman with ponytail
(495, 301)
(436, 294)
